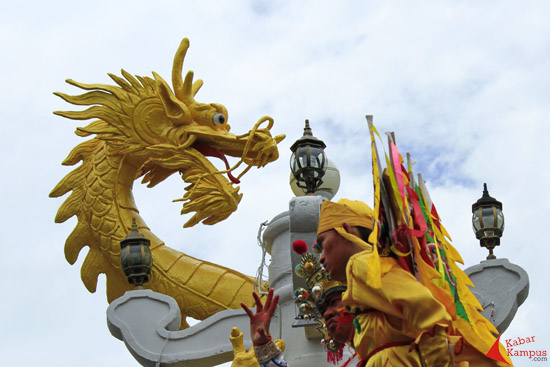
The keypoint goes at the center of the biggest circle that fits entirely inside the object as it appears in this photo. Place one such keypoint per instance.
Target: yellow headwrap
(356, 213)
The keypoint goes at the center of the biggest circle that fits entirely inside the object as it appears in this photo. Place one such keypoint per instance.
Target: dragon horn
(187, 89)
(176, 110)
(184, 90)
(177, 80)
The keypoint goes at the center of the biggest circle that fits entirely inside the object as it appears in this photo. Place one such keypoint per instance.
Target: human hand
(260, 321)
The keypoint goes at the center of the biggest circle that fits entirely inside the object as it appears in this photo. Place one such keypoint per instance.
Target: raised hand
(260, 321)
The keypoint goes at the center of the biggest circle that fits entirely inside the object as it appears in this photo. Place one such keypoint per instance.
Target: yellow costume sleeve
(400, 296)
(402, 318)
(397, 322)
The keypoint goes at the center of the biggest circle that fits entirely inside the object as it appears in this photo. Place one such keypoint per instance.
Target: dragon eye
(218, 119)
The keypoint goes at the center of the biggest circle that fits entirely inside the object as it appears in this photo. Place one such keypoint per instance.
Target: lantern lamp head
(488, 221)
(308, 161)
(135, 256)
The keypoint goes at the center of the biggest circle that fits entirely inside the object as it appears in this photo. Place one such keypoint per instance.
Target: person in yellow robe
(398, 323)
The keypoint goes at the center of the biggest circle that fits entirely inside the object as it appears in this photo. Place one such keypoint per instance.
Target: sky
(463, 84)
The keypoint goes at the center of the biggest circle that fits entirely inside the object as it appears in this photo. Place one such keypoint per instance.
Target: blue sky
(463, 84)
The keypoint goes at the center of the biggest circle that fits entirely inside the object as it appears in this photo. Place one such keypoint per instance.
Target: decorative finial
(307, 129)
(134, 228)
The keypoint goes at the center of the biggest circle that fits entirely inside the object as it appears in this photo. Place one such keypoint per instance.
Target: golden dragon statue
(143, 128)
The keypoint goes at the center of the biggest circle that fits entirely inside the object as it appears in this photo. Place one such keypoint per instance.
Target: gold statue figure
(143, 128)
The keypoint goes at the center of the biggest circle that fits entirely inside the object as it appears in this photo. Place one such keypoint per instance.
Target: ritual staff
(398, 323)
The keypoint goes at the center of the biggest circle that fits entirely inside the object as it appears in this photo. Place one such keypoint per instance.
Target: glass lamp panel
(302, 157)
(316, 157)
(293, 167)
(318, 160)
(301, 162)
(322, 160)
(475, 220)
(488, 214)
(500, 219)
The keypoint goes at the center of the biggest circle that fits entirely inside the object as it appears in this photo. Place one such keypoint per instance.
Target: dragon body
(143, 128)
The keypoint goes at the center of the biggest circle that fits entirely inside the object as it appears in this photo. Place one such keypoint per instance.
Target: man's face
(339, 332)
(335, 253)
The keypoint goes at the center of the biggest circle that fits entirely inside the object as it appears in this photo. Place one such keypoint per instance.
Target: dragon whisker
(243, 172)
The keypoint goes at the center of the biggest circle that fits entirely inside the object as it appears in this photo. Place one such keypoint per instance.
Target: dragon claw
(279, 138)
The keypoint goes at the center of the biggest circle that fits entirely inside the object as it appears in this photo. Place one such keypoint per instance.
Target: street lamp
(488, 221)
(308, 161)
(135, 256)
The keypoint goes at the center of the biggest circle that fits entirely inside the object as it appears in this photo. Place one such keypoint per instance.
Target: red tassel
(335, 356)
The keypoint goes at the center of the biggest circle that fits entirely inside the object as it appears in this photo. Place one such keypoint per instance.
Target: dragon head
(163, 131)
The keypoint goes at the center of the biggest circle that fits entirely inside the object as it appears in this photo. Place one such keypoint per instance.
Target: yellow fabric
(355, 213)
(374, 259)
(401, 311)
(478, 331)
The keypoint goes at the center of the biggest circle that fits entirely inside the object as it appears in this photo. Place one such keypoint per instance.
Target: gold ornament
(318, 282)
(309, 267)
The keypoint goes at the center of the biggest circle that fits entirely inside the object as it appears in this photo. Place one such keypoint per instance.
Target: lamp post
(135, 256)
(308, 162)
(488, 221)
